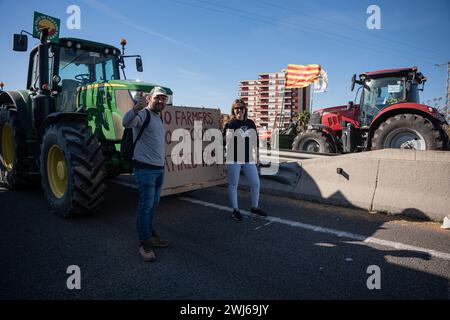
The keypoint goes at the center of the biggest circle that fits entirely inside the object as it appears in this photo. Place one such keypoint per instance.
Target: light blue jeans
(149, 183)
(251, 173)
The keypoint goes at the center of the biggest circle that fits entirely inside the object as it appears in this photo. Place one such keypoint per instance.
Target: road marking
(338, 233)
(266, 224)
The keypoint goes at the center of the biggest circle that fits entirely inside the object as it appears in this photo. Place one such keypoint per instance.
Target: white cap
(158, 91)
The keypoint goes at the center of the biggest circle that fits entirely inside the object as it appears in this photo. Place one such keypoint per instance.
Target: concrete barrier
(410, 182)
(339, 180)
(403, 154)
(417, 188)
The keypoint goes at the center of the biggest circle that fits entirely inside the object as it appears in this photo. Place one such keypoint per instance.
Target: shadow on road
(211, 256)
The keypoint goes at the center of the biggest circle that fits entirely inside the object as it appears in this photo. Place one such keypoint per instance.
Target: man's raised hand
(141, 103)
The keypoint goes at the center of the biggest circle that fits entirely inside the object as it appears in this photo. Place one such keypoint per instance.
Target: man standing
(148, 165)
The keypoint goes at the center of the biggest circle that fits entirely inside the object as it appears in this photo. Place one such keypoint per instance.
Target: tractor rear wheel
(313, 141)
(14, 170)
(407, 131)
(72, 169)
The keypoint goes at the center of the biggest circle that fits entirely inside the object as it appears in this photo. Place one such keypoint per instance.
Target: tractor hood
(133, 85)
(331, 109)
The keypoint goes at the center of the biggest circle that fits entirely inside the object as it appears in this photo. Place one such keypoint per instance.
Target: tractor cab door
(33, 69)
(85, 76)
(101, 110)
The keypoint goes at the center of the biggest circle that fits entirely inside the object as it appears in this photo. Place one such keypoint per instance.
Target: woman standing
(242, 155)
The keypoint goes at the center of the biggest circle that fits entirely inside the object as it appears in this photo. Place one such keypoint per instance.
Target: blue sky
(202, 48)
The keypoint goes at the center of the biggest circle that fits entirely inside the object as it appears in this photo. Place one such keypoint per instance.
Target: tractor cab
(73, 64)
(381, 89)
(82, 77)
(82, 66)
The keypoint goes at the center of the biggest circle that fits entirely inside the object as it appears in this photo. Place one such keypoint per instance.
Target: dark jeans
(149, 183)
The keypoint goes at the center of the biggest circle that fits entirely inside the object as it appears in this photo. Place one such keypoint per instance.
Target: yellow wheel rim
(57, 171)
(7, 147)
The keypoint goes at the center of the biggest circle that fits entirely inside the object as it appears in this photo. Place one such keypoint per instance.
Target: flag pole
(282, 99)
(280, 123)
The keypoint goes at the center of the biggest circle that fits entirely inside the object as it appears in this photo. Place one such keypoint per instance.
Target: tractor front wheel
(72, 169)
(313, 141)
(407, 131)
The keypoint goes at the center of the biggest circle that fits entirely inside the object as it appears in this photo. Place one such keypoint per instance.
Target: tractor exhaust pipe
(41, 101)
(43, 60)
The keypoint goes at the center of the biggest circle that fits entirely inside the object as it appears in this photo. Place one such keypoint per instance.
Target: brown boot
(157, 242)
(146, 251)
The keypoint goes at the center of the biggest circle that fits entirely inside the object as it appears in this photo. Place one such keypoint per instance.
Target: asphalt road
(302, 251)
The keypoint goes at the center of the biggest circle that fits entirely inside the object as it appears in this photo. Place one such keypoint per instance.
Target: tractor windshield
(81, 67)
(87, 66)
(379, 94)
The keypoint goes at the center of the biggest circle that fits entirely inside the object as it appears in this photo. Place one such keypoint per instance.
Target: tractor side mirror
(423, 86)
(139, 66)
(353, 82)
(20, 42)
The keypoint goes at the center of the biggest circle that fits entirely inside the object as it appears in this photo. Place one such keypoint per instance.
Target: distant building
(264, 98)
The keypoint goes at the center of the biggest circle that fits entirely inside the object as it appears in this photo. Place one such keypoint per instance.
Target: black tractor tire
(14, 169)
(72, 169)
(313, 141)
(408, 131)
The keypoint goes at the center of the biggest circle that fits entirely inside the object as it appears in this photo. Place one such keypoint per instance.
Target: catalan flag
(298, 76)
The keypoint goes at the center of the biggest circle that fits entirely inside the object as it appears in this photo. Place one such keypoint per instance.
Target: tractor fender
(63, 117)
(412, 108)
(328, 131)
(21, 101)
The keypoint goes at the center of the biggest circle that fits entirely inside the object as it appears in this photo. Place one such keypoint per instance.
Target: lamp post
(447, 95)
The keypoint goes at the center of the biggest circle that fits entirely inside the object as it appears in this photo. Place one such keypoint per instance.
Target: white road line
(338, 233)
(264, 225)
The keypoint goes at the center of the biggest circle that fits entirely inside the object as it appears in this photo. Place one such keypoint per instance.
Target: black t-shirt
(244, 128)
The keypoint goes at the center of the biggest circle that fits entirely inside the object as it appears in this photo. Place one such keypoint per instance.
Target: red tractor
(389, 116)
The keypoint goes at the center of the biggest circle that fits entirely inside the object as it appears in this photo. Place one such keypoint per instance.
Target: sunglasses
(240, 109)
(160, 98)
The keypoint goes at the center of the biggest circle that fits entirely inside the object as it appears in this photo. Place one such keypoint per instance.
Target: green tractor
(64, 130)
